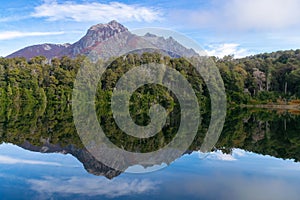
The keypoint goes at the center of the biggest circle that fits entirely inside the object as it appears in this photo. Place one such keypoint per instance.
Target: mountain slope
(105, 41)
(47, 50)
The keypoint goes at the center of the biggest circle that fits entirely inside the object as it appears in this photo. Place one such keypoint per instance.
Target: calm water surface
(255, 158)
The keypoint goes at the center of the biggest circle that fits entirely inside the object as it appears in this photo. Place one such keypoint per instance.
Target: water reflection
(214, 175)
(51, 130)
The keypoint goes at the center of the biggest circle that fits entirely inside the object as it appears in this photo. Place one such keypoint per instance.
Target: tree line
(263, 78)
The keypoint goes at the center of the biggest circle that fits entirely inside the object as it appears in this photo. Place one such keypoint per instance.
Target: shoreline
(274, 106)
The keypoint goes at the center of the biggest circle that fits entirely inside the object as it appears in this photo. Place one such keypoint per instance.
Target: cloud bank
(92, 186)
(11, 161)
(219, 155)
(221, 50)
(243, 15)
(7, 35)
(84, 12)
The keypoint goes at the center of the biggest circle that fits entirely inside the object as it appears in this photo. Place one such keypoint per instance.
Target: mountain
(105, 41)
(96, 35)
(91, 164)
(170, 44)
(47, 50)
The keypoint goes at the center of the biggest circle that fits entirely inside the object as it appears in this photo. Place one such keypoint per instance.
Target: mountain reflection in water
(215, 175)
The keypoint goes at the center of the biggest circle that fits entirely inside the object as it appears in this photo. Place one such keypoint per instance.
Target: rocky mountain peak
(112, 26)
(114, 23)
(96, 35)
(149, 35)
(106, 40)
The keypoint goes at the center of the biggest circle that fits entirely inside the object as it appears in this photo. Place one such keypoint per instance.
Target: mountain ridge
(105, 40)
(49, 50)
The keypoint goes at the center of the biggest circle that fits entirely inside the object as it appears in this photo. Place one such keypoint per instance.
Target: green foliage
(36, 100)
(261, 131)
(262, 77)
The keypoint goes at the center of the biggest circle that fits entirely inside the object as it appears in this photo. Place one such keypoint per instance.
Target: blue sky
(220, 27)
(215, 175)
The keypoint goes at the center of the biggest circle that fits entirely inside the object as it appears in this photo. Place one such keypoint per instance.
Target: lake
(256, 157)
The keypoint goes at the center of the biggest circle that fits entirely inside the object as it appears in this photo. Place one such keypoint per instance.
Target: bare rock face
(102, 32)
(95, 35)
(170, 45)
(105, 41)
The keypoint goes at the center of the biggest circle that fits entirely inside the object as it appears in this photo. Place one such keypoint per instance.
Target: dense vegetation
(263, 78)
(36, 100)
(267, 77)
(37, 80)
(261, 131)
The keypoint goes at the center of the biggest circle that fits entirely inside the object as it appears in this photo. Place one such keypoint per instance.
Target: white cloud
(221, 50)
(263, 14)
(92, 186)
(216, 155)
(11, 161)
(7, 35)
(54, 11)
(13, 18)
(239, 152)
(244, 15)
(219, 155)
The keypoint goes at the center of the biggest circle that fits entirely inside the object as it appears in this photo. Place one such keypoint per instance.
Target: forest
(36, 101)
(259, 79)
(257, 130)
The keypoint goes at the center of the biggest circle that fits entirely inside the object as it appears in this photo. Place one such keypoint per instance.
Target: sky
(220, 27)
(214, 175)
